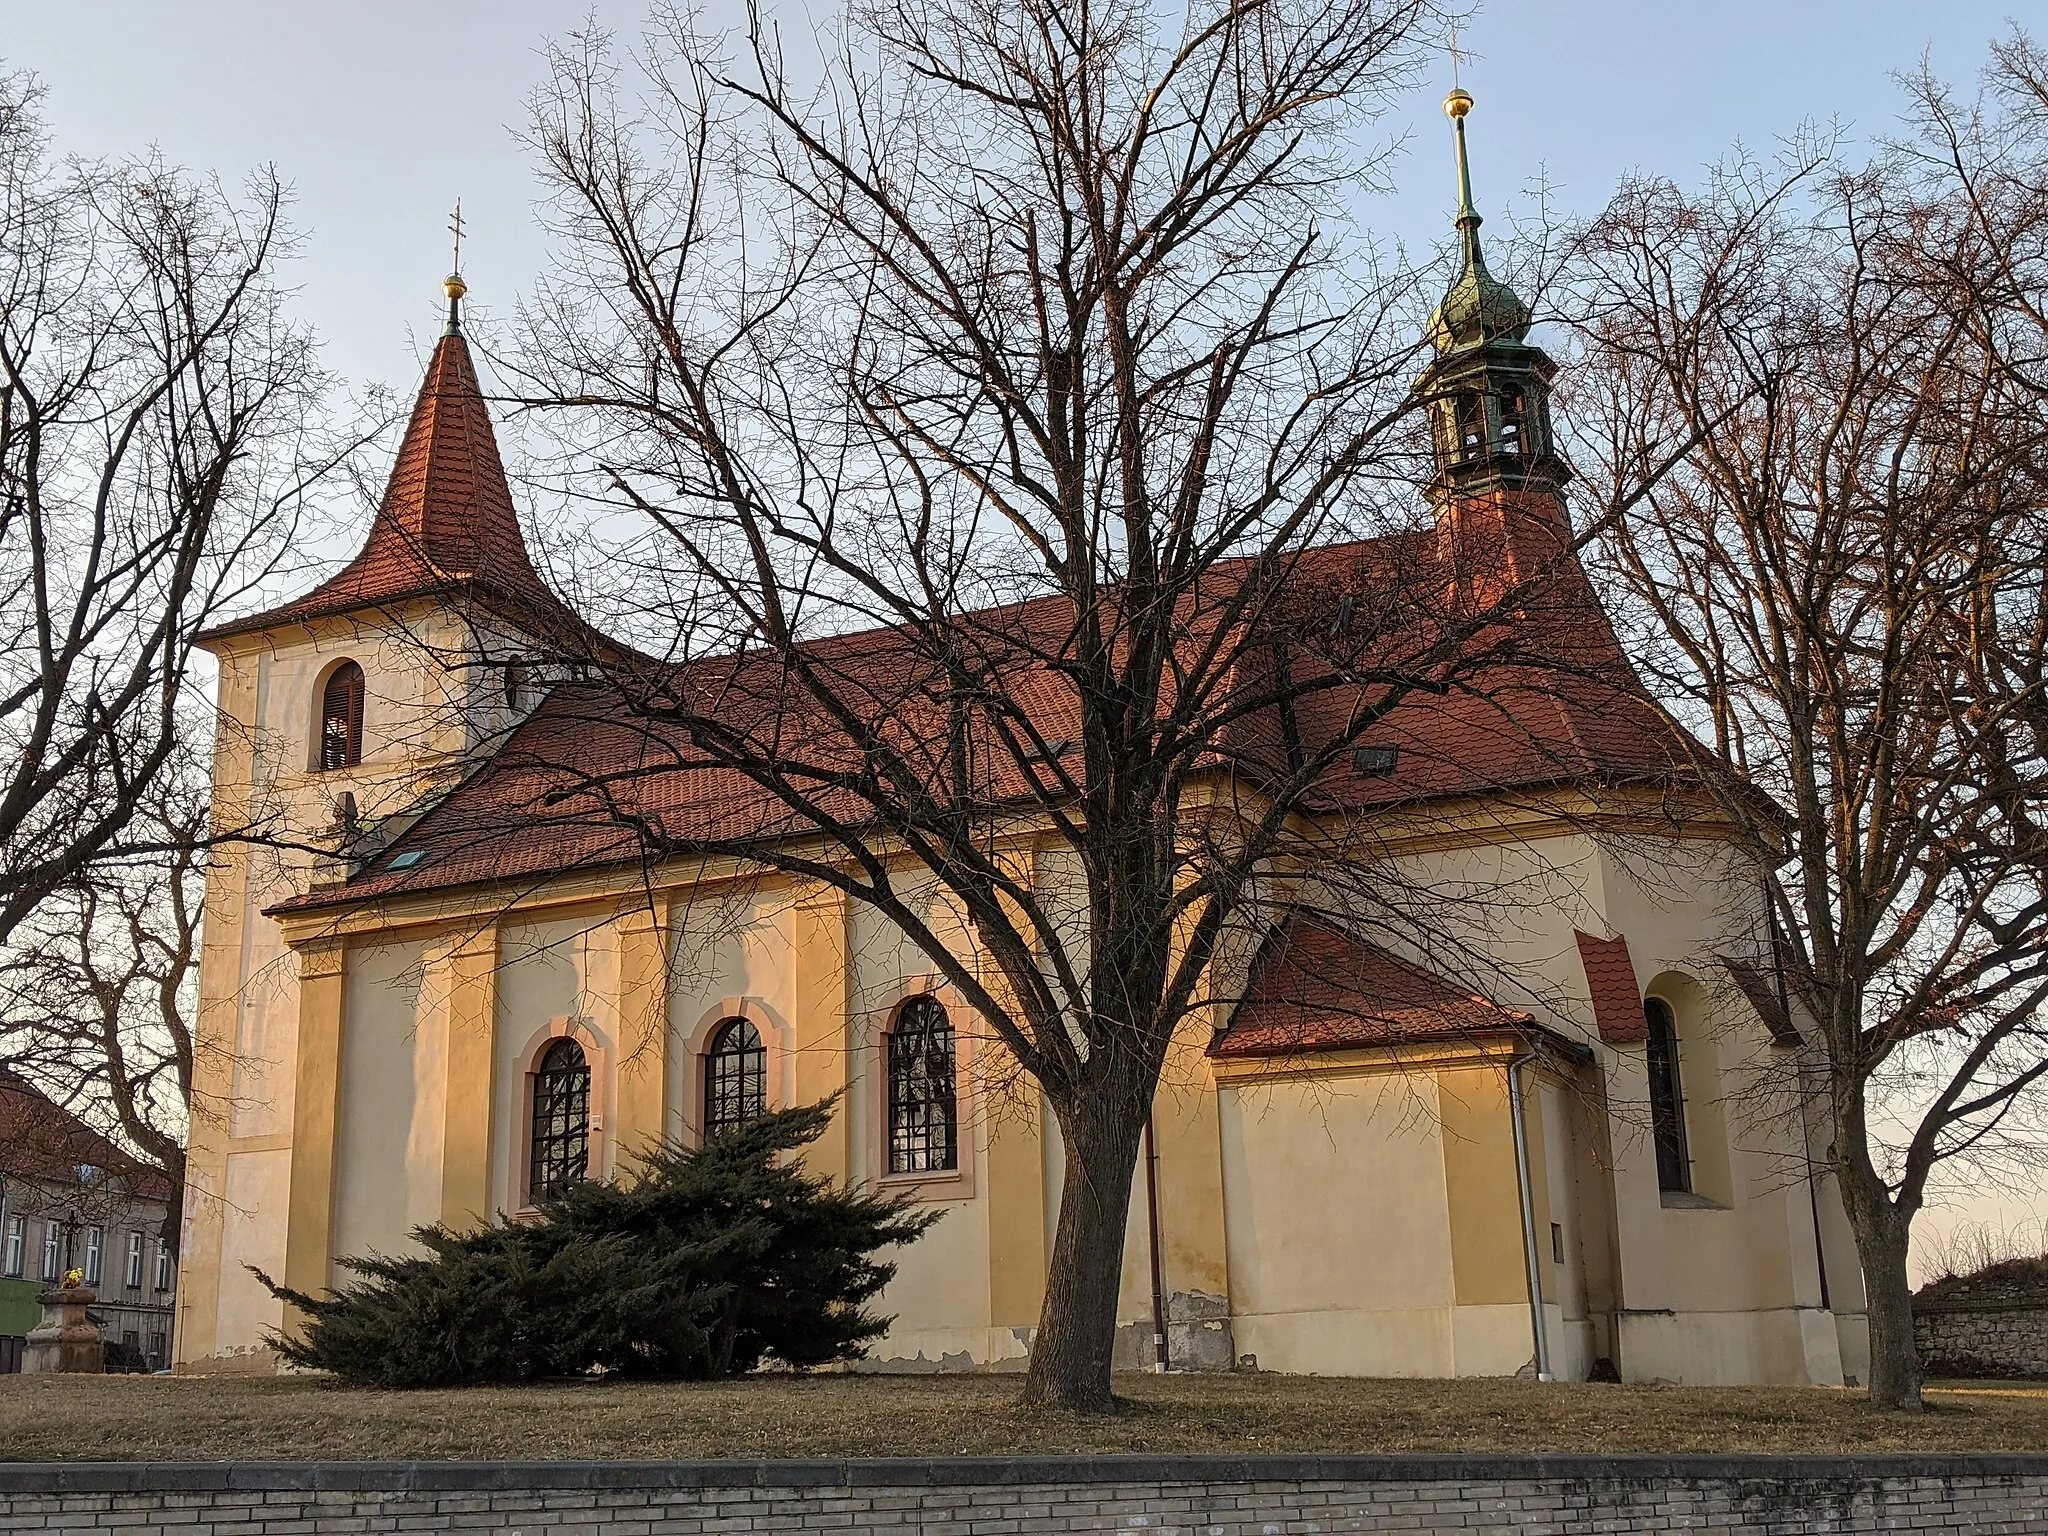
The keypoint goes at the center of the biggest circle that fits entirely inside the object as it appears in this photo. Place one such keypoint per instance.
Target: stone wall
(1982, 1339)
(1161, 1496)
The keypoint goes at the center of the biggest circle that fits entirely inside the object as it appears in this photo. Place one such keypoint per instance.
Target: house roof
(41, 1140)
(446, 527)
(589, 780)
(1314, 987)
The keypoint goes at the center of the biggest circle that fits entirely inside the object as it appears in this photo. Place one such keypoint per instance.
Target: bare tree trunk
(1070, 1357)
(1883, 1233)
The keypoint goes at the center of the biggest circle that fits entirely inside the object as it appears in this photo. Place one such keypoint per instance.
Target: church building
(1579, 1153)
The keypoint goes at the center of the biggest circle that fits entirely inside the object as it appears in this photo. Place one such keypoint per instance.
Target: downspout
(1152, 1222)
(1529, 1253)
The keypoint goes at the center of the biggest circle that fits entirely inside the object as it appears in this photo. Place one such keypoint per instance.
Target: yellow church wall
(394, 1080)
(1338, 1225)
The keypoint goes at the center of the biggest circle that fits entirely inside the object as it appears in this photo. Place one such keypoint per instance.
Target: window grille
(735, 1077)
(1667, 1098)
(95, 1240)
(17, 1244)
(341, 717)
(561, 1120)
(134, 1275)
(923, 1104)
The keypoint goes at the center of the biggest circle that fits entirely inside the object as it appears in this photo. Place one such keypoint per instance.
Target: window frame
(14, 1257)
(53, 1252)
(163, 1265)
(1662, 1063)
(752, 1075)
(95, 1245)
(906, 1149)
(347, 673)
(538, 1137)
(131, 1273)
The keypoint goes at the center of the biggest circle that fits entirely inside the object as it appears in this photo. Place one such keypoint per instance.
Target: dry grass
(288, 1419)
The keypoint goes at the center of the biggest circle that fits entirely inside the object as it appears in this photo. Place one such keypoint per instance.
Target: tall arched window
(341, 717)
(561, 1120)
(1667, 1098)
(735, 1077)
(923, 1104)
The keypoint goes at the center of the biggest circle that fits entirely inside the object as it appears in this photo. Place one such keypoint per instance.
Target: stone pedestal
(66, 1339)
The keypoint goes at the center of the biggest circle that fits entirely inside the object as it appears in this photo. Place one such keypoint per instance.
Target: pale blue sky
(382, 112)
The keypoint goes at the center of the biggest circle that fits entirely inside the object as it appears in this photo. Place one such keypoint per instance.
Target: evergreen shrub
(700, 1262)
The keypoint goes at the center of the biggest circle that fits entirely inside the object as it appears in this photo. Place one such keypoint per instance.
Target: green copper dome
(1479, 307)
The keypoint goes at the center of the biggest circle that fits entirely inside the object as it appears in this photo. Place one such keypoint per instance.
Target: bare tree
(156, 440)
(1007, 418)
(1844, 582)
(98, 991)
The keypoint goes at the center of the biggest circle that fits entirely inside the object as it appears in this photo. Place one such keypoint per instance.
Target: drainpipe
(1152, 1221)
(1529, 1254)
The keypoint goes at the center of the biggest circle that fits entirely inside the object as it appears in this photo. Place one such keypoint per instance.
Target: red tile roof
(42, 1140)
(1315, 988)
(1617, 1001)
(590, 781)
(446, 526)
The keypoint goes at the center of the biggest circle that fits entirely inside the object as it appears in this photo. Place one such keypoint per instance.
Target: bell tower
(1497, 478)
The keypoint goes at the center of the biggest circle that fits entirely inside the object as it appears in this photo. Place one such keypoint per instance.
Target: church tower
(1498, 479)
(342, 716)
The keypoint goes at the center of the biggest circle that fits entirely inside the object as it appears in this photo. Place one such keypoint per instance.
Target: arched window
(923, 1107)
(1667, 1098)
(561, 1120)
(735, 1077)
(341, 717)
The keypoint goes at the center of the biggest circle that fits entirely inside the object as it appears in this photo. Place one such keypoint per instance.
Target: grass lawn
(304, 1418)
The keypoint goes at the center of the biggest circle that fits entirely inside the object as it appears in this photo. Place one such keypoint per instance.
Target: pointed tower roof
(446, 525)
(1479, 308)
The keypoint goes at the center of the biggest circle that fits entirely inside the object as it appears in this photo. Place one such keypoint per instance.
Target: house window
(923, 1110)
(53, 1251)
(1667, 1098)
(133, 1277)
(17, 1244)
(735, 1077)
(341, 717)
(561, 1120)
(515, 686)
(157, 1344)
(163, 1266)
(95, 1240)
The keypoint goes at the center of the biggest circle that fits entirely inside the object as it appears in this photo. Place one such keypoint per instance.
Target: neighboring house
(71, 1199)
(497, 997)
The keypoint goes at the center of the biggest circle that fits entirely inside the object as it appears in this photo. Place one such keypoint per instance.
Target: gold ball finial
(1458, 103)
(454, 286)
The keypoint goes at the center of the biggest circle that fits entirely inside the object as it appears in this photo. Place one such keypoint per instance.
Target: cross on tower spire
(453, 285)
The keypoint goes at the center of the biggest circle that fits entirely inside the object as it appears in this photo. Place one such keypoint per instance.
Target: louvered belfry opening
(341, 717)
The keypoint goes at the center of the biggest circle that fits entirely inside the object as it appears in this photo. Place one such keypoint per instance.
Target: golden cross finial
(455, 225)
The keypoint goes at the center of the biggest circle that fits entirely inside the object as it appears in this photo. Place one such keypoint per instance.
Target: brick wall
(1989, 1338)
(1160, 1496)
